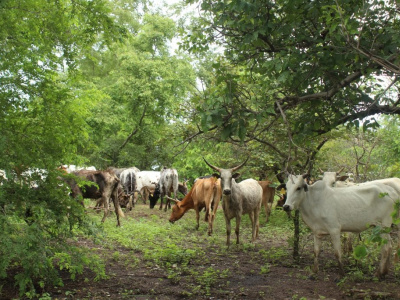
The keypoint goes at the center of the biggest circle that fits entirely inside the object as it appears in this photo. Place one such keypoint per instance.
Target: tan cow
(205, 193)
(268, 197)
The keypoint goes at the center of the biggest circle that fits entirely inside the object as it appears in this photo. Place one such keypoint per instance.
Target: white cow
(3, 175)
(239, 199)
(74, 168)
(128, 182)
(331, 211)
(394, 182)
(168, 182)
(146, 181)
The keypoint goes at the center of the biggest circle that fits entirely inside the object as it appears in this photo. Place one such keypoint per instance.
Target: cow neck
(186, 201)
(235, 190)
(310, 200)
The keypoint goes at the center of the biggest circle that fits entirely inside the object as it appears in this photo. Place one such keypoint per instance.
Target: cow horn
(211, 166)
(338, 172)
(172, 199)
(241, 165)
(322, 171)
(305, 175)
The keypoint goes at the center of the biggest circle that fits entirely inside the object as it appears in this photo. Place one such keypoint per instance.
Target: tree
(42, 125)
(146, 90)
(309, 66)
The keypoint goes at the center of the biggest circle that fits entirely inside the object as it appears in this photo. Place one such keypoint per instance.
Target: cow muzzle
(287, 207)
(172, 221)
(227, 192)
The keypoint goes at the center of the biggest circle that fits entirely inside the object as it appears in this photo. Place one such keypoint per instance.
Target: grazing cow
(128, 182)
(205, 193)
(268, 197)
(238, 199)
(122, 198)
(331, 211)
(105, 187)
(146, 179)
(168, 183)
(153, 197)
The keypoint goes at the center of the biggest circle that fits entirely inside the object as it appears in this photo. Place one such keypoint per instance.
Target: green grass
(149, 235)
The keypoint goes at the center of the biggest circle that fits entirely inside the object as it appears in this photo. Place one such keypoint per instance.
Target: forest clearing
(150, 258)
(277, 87)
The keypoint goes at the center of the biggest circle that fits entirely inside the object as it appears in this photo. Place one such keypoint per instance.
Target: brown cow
(205, 193)
(268, 197)
(105, 187)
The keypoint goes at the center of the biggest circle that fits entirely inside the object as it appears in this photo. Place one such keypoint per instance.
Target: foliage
(147, 88)
(42, 125)
(297, 69)
(367, 155)
(37, 225)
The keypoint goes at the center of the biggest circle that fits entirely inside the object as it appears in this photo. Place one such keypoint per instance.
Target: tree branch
(135, 130)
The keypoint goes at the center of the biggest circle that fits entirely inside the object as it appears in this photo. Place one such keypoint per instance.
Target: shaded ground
(263, 271)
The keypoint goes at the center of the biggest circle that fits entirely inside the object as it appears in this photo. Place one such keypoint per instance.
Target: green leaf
(360, 252)
(226, 132)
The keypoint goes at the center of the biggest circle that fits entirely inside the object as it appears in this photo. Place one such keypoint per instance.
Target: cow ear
(306, 188)
(236, 175)
(216, 175)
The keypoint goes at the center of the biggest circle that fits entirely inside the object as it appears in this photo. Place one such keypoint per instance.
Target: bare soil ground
(250, 275)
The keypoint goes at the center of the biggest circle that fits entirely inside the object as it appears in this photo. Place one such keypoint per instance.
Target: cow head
(226, 175)
(153, 198)
(177, 212)
(296, 187)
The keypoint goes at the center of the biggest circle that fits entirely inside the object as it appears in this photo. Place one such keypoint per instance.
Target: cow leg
(117, 207)
(228, 231)
(335, 236)
(161, 200)
(135, 198)
(145, 195)
(213, 211)
(253, 226)
(167, 202)
(197, 219)
(130, 203)
(99, 203)
(257, 222)
(209, 217)
(317, 249)
(269, 209)
(238, 219)
(106, 205)
(175, 197)
(386, 250)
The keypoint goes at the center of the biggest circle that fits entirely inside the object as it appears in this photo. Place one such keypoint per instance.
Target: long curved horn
(338, 172)
(169, 198)
(241, 165)
(211, 166)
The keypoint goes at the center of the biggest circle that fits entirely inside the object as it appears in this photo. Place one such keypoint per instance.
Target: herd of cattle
(328, 206)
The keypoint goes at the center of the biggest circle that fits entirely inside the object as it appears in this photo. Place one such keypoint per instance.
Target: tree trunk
(296, 240)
